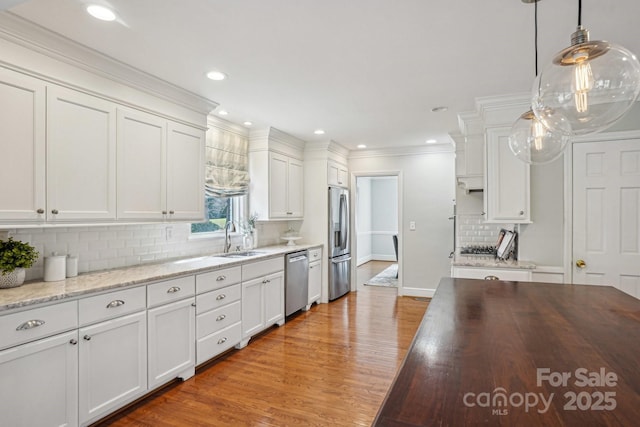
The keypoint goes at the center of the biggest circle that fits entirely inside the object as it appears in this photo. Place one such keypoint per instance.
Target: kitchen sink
(244, 254)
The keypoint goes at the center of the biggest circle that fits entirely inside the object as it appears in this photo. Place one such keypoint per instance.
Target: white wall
(426, 197)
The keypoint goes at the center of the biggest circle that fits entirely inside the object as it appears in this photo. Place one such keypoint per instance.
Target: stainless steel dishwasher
(296, 282)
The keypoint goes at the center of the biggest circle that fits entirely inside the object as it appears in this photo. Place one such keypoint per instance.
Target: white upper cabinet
(507, 194)
(337, 175)
(142, 169)
(22, 144)
(160, 166)
(81, 156)
(277, 175)
(185, 172)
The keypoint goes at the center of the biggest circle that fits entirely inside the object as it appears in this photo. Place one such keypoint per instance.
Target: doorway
(376, 220)
(606, 214)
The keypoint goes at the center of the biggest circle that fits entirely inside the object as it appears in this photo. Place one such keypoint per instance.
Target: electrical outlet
(412, 225)
(169, 232)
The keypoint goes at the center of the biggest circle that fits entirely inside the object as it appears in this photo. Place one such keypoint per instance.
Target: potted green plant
(15, 256)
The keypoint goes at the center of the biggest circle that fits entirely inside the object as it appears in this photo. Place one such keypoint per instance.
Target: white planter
(13, 279)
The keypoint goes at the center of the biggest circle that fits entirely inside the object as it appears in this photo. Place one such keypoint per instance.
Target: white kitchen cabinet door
(278, 186)
(185, 172)
(39, 385)
(315, 281)
(253, 320)
(171, 342)
(286, 187)
(22, 144)
(337, 175)
(142, 177)
(295, 189)
(507, 189)
(113, 365)
(81, 156)
(273, 299)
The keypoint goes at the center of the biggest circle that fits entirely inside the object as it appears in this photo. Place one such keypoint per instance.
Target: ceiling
(365, 71)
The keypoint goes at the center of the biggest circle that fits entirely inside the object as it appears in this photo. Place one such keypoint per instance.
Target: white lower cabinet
(491, 274)
(171, 342)
(39, 385)
(112, 365)
(262, 297)
(315, 276)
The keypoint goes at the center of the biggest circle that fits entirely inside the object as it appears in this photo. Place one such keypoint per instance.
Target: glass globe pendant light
(529, 140)
(588, 86)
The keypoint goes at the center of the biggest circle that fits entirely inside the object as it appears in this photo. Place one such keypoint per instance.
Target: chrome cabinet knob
(40, 211)
(54, 211)
(87, 337)
(73, 342)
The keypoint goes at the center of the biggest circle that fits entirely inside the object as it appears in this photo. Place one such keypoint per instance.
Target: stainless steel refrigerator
(339, 256)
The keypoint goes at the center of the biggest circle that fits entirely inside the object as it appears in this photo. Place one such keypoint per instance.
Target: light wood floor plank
(330, 366)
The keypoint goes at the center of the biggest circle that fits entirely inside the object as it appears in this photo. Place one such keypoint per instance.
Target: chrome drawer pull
(221, 278)
(173, 290)
(115, 303)
(221, 317)
(222, 340)
(221, 296)
(491, 278)
(30, 325)
(266, 281)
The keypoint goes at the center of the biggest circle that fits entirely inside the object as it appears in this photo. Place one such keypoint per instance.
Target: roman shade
(226, 163)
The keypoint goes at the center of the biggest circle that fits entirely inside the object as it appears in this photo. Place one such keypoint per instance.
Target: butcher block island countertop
(37, 292)
(520, 354)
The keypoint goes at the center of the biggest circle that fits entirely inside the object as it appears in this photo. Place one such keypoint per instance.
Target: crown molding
(403, 151)
(215, 121)
(22, 32)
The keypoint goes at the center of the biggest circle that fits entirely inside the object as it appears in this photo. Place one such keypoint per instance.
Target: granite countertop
(490, 262)
(37, 292)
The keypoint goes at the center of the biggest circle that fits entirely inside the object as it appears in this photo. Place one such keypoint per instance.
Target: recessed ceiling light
(223, 112)
(247, 123)
(439, 109)
(100, 12)
(362, 146)
(216, 75)
(318, 132)
(431, 141)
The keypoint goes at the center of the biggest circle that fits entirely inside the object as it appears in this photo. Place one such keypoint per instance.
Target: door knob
(580, 263)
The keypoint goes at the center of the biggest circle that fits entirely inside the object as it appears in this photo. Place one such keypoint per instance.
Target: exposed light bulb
(582, 83)
(538, 132)
(533, 143)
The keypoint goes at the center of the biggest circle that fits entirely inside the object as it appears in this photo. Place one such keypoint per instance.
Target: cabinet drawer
(500, 273)
(262, 268)
(218, 298)
(170, 290)
(217, 279)
(214, 344)
(315, 254)
(113, 304)
(30, 325)
(218, 319)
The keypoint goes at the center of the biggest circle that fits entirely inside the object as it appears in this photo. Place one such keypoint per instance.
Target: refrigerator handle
(344, 221)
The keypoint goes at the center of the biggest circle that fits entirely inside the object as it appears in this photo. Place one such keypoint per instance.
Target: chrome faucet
(227, 238)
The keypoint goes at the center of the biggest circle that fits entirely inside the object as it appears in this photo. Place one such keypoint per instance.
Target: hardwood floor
(330, 366)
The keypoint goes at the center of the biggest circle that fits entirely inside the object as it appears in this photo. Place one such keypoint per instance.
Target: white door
(606, 214)
(39, 385)
(142, 189)
(113, 365)
(22, 144)
(185, 172)
(81, 156)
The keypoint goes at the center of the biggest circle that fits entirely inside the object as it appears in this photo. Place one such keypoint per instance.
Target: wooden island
(520, 354)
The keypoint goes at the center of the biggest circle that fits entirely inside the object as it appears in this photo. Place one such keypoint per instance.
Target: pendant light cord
(535, 32)
(579, 13)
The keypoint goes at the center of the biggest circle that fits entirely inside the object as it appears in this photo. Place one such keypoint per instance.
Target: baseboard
(381, 257)
(363, 260)
(417, 292)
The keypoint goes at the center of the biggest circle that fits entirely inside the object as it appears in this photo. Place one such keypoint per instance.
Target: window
(218, 211)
